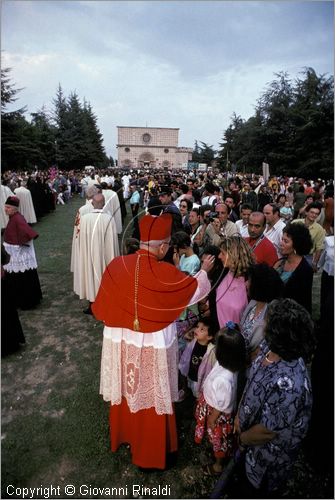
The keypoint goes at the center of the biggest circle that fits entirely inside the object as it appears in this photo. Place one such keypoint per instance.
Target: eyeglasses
(221, 213)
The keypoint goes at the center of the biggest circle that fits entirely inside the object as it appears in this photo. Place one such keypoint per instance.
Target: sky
(181, 64)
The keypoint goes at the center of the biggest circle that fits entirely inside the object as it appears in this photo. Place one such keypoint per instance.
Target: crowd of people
(209, 297)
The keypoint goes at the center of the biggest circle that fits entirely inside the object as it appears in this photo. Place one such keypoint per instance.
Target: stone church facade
(151, 147)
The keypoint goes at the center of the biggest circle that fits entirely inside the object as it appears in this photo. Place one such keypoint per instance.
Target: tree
(44, 136)
(69, 137)
(207, 153)
(8, 95)
(292, 129)
(17, 148)
(204, 153)
(314, 122)
(79, 141)
(95, 150)
(275, 110)
(111, 161)
(196, 153)
(60, 118)
(232, 145)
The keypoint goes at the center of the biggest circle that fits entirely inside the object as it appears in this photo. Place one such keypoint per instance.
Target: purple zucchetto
(13, 201)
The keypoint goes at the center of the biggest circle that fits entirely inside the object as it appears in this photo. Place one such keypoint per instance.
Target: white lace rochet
(22, 258)
(142, 368)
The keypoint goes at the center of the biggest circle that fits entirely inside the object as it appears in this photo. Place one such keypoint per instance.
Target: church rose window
(127, 150)
(146, 138)
(166, 150)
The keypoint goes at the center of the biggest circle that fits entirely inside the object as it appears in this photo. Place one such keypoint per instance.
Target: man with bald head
(262, 248)
(97, 245)
(227, 227)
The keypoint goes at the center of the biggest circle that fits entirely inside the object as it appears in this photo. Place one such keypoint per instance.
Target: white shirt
(110, 180)
(126, 179)
(220, 388)
(208, 200)
(275, 235)
(84, 181)
(242, 228)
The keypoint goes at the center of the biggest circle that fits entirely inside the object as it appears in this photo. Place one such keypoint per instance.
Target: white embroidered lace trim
(159, 340)
(146, 376)
(22, 258)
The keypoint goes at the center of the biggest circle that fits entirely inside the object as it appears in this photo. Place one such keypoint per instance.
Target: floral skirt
(221, 437)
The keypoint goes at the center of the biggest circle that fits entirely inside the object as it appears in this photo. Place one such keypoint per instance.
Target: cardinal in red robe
(139, 299)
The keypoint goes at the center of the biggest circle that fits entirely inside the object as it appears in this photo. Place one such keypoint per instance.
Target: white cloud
(92, 71)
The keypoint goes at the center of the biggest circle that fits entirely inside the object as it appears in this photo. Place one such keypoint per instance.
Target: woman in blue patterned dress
(275, 408)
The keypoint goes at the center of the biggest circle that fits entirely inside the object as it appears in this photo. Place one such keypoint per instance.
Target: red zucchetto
(155, 228)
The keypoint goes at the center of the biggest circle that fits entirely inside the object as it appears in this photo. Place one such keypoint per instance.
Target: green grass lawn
(54, 423)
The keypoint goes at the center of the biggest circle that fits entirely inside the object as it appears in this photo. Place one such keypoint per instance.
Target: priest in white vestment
(98, 245)
(85, 209)
(5, 192)
(26, 207)
(112, 206)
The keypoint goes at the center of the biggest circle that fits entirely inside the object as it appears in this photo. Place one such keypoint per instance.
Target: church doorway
(147, 160)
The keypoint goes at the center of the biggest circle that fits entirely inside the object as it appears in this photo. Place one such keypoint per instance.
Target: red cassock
(151, 436)
(163, 293)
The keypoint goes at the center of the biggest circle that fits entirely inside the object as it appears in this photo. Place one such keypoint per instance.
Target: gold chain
(137, 272)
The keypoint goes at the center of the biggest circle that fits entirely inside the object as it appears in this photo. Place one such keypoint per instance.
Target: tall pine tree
(18, 150)
(79, 141)
(292, 129)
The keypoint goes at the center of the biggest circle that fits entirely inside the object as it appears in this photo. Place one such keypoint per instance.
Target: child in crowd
(286, 212)
(187, 261)
(184, 256)
(131, 245)
(197, 359)
(217, 403)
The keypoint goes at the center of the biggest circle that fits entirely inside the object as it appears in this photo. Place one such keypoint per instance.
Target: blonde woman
(231, 294)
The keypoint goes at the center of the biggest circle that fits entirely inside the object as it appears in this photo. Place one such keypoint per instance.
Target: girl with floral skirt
(216, 406)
